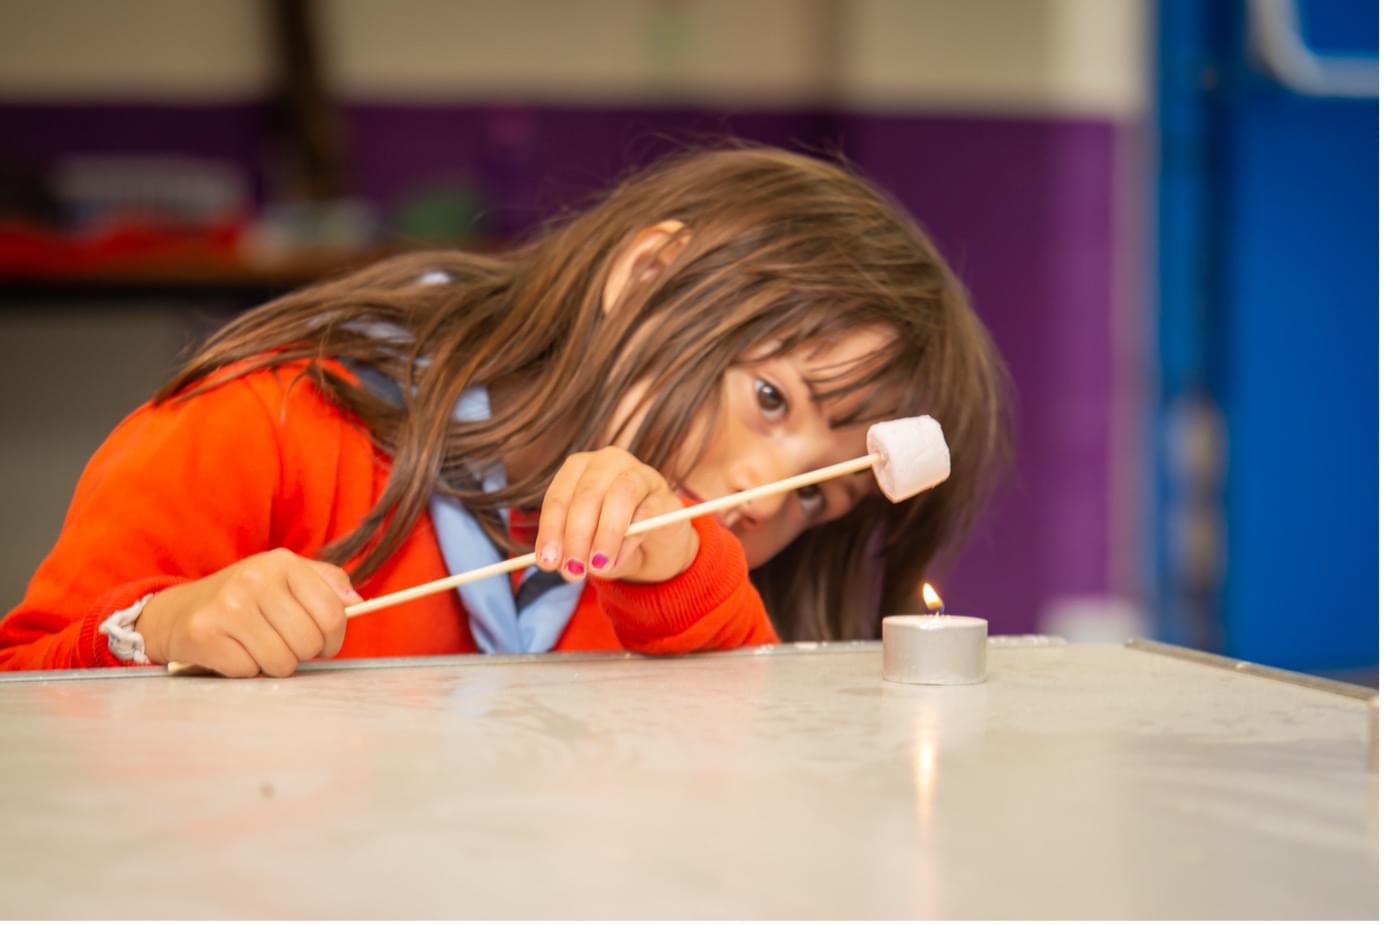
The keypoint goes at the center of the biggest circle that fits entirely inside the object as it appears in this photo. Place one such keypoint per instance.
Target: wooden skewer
(823, 474)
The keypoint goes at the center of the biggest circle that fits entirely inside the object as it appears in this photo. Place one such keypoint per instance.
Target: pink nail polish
(575, 567)
(600, 560)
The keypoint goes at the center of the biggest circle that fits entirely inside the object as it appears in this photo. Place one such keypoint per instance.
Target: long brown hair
(779, 247)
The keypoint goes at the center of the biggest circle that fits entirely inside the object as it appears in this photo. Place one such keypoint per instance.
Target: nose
(764, 465)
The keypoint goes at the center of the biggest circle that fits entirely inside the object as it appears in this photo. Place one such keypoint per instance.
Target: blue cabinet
(1267, 331)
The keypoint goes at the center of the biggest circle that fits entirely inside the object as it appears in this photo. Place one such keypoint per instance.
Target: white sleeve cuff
(122, 639)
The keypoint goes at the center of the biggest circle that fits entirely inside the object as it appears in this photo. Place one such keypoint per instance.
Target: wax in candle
(935, 649)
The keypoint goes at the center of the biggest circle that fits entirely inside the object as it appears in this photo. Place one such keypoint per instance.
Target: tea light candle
(935, 648)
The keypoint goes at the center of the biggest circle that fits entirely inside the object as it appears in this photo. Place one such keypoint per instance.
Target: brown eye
(811, 499)
(770, 400)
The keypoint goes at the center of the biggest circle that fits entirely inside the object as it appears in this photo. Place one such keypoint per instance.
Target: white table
(1079, 781)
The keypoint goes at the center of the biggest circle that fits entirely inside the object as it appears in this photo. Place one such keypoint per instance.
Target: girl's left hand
(590, 504)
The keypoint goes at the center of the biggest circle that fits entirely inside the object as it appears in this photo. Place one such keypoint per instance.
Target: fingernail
(352, 597)
(575, 567)
(548, 555)
(600, 560)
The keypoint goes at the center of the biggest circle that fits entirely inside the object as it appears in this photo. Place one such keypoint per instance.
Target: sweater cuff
(93, 647)
(644, 612)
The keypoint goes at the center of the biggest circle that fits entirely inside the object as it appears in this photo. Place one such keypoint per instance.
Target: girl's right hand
(262, 615)
(592, 501)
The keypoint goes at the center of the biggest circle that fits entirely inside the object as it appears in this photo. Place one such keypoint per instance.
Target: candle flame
(931, 598)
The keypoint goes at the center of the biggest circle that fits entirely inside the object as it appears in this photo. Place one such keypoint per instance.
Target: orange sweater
(184, 489)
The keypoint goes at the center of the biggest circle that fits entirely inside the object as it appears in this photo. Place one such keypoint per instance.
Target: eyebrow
(819, 398)
(859, 406)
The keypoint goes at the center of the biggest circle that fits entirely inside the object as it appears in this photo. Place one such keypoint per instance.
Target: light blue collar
(496, 623)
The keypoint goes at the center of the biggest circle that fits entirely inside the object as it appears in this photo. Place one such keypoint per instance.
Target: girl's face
(771, 427)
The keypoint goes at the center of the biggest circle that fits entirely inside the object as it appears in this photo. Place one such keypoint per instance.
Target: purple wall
(1022, 207)
(1023, 210)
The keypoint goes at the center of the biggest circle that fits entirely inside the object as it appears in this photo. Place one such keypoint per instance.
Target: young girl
(721, 320)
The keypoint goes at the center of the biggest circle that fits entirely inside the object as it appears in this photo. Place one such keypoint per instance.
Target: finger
(637, 552)
(584, 513)
(317, 589)
(552, 519)
(629, 559)
(333, 641)
(228, 658)
(632, 549)
(341, 583)
(253, 630)
(622, 497)
(337, 580)
(292, 621)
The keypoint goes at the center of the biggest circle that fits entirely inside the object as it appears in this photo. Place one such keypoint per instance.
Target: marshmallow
(913, 456)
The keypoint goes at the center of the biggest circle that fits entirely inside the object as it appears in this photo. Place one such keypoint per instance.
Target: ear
(648, 255)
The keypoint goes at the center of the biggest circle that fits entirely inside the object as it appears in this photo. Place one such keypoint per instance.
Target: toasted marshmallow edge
(913, 456)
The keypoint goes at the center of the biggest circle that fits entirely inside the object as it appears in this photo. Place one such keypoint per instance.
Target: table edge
(1240, 666)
